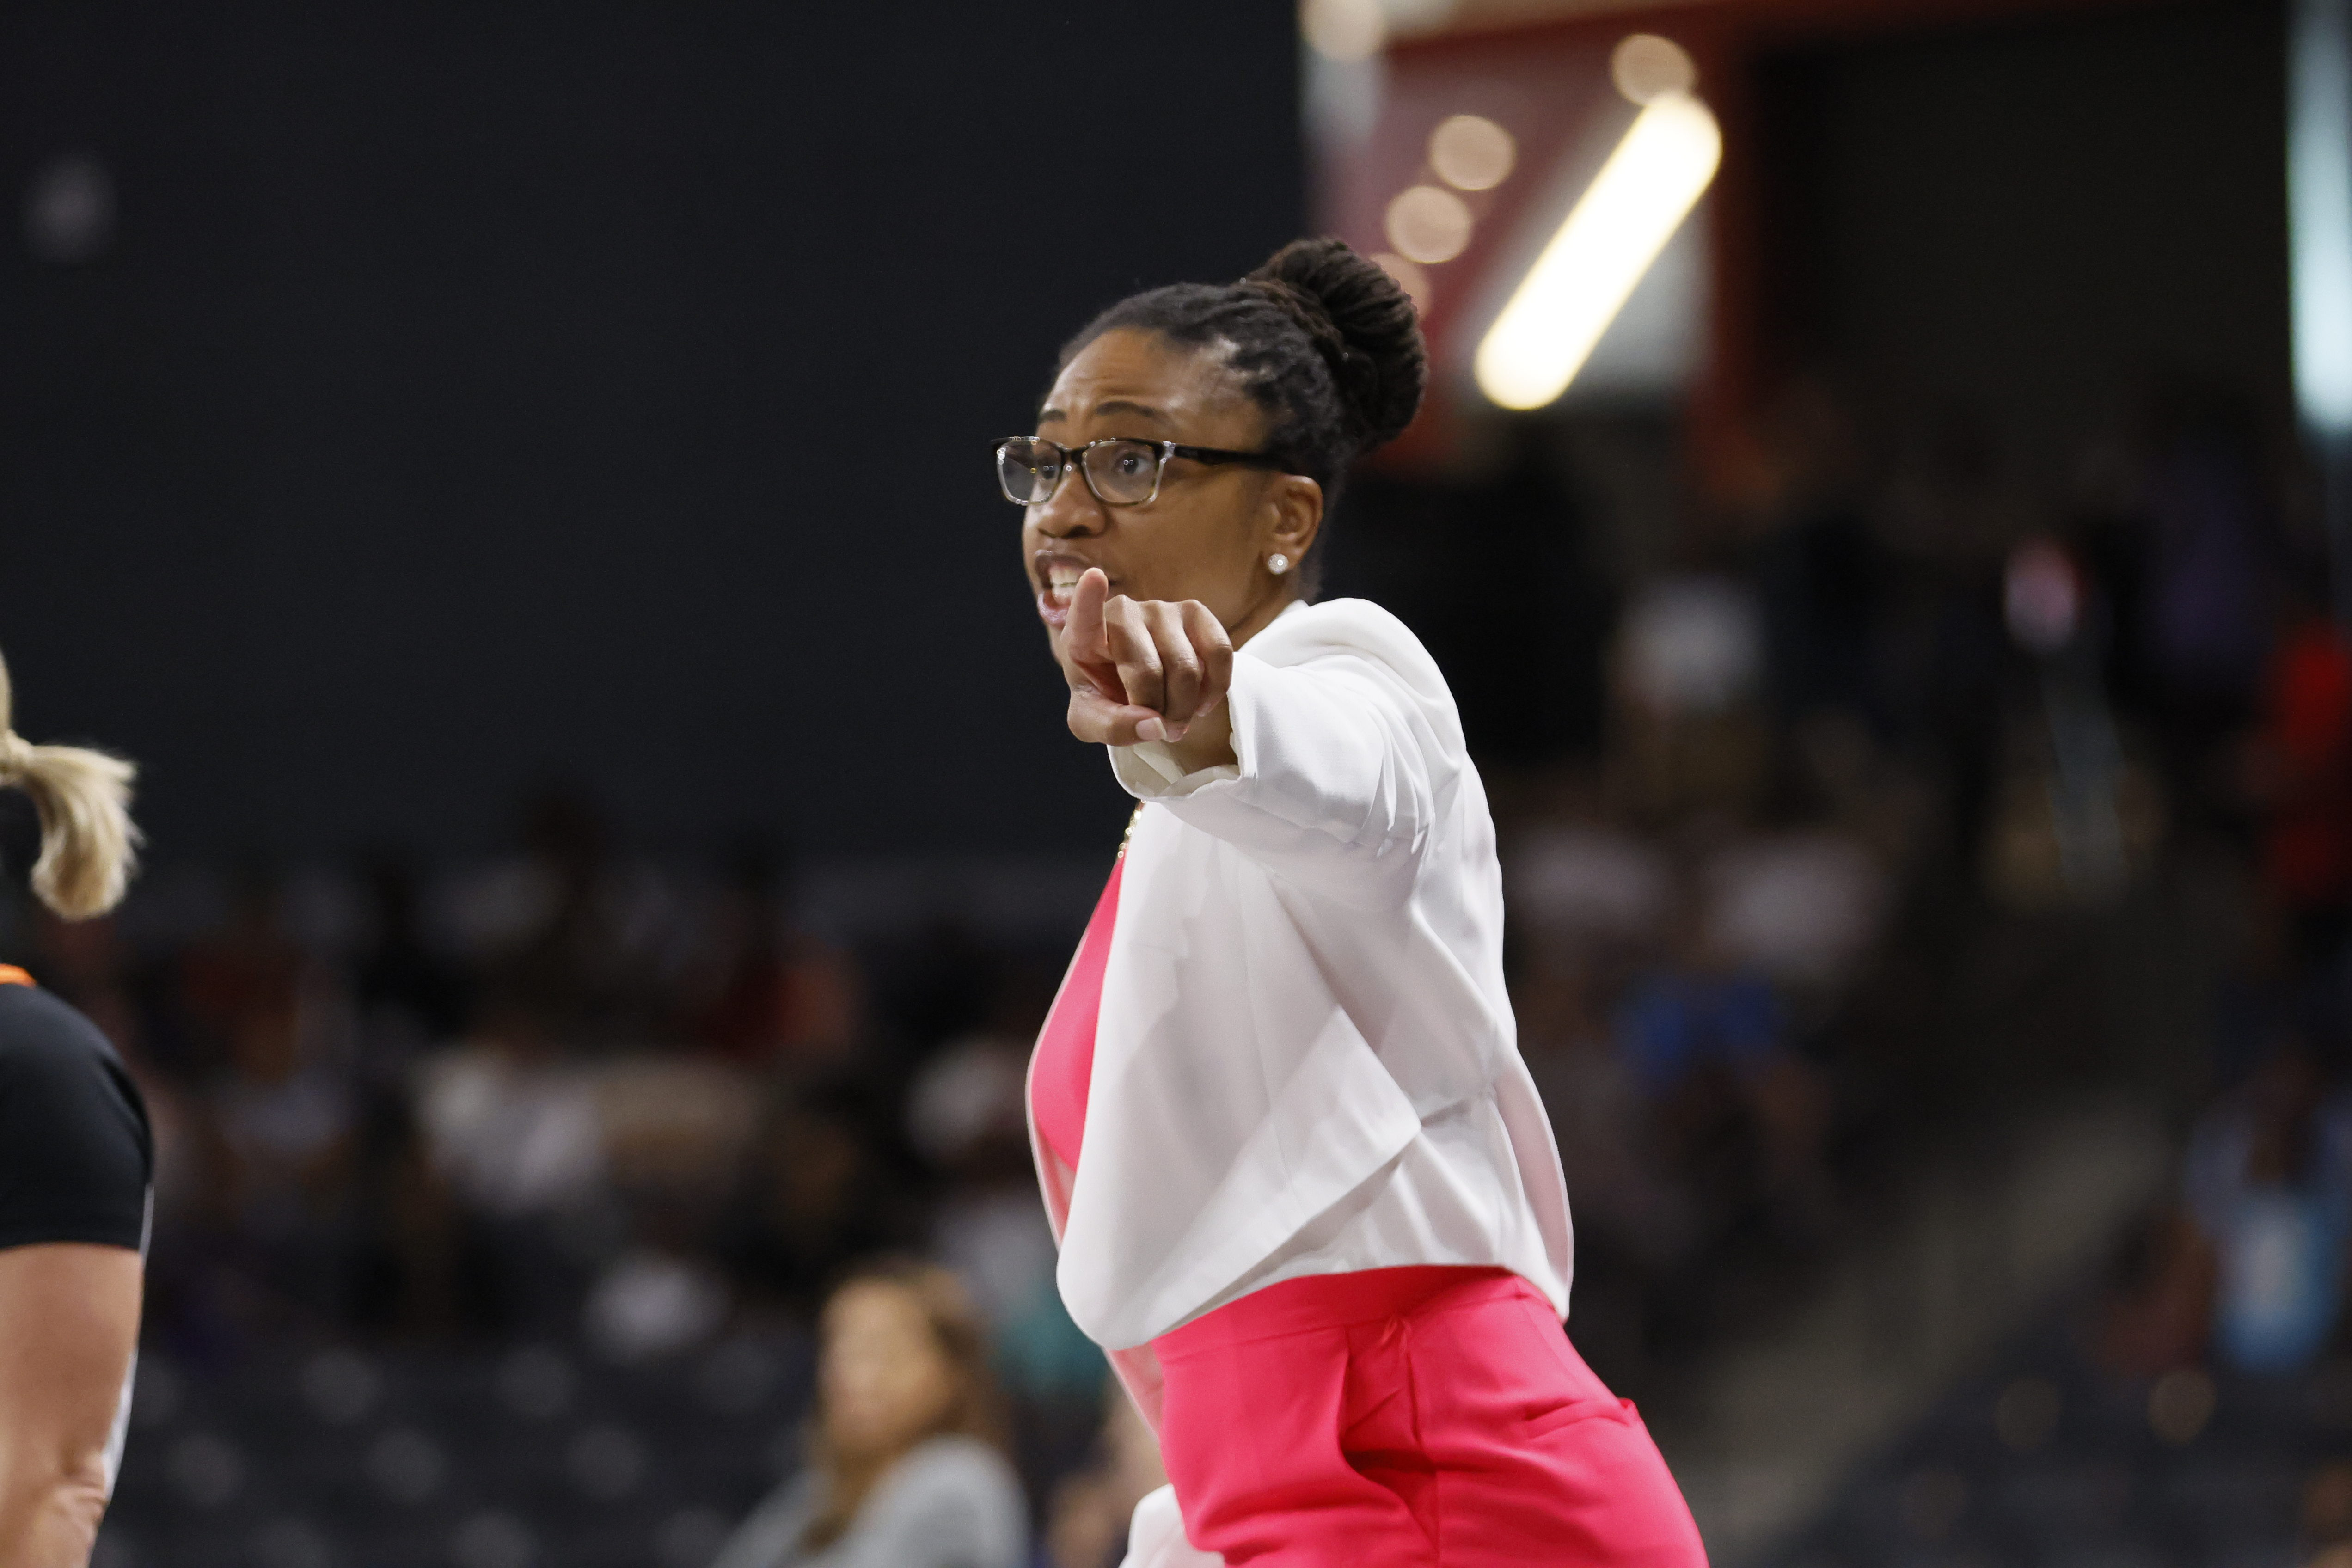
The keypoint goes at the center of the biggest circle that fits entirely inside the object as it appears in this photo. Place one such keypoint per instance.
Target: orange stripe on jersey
(12, 975)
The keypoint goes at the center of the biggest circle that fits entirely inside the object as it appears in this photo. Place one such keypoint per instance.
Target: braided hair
(1326, 342)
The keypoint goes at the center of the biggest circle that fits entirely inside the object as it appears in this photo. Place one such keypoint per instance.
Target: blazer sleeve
(1334, 785)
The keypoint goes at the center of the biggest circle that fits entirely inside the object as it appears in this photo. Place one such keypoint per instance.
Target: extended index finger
(1083, 632)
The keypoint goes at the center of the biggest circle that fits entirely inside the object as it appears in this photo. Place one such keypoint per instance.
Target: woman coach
(1306, 1193)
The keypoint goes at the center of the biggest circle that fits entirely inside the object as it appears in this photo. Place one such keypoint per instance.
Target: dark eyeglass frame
(1074, 458)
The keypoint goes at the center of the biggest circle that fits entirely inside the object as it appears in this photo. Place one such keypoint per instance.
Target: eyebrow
(1115, 405)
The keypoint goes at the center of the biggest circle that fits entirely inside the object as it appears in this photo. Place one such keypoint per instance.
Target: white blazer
(1304, 1062)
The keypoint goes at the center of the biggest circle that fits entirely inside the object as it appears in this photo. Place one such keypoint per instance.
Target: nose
(1071, 512)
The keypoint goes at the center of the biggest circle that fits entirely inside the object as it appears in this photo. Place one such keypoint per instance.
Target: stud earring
(1278, 564)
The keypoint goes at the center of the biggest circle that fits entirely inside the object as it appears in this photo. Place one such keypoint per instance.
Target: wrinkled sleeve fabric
(1333, 782)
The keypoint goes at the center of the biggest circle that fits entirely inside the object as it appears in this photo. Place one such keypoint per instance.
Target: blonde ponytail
(89, 843)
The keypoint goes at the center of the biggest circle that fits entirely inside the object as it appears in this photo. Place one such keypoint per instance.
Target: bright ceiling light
(1428, 225)
(1590, 267)
(1344, 29)
(1648, 68)
(1470, 152)
(2319, 211)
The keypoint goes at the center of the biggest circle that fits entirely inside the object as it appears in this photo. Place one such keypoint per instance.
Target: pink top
(1065, 1064)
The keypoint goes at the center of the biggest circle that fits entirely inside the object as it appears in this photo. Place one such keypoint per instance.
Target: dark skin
(1144, 605)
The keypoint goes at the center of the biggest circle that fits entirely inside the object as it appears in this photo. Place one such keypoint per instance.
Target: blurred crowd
(1821, 737)
(1865, 747)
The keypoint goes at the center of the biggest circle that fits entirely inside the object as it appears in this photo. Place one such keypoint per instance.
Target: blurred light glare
(1693, 644)
(1411, 275)
(1933, 1501)
(607, 1462)
(2319, 204)
(341, 1386)
(1470, 152)
(204, 1470)
(1584, 276)
(70, 211)
(2179, 1404)
(1344, 29)
(2026, 1416)
(691, 1538)
(494, 1538)
(291, 1543)
(407, 1465)
(1648, 68)
(1428, 225)
(2042, 597)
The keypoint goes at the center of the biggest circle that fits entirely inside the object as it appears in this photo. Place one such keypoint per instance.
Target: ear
(1295, 515)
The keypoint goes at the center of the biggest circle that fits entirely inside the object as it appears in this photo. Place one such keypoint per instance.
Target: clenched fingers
(1215, 651)
(1134, 651)
(1144, 670)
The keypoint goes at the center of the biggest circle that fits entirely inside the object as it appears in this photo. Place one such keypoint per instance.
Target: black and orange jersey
(77, 1158)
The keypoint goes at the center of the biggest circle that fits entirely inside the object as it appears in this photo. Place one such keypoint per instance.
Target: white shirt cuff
(1155, 1536)
(1150, 771)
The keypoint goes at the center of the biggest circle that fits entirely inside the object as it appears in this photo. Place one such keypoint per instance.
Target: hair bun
(1365, 326)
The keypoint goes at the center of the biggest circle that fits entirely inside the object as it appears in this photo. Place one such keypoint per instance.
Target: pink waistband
(1337, 1300)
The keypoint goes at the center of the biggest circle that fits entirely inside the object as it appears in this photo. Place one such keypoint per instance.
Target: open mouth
(1061, 574)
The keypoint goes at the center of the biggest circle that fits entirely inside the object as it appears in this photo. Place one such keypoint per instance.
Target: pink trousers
(1408, 1419)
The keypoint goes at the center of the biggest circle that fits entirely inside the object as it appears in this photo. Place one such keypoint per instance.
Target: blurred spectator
(1690, 668)
(1600, 1114)
(408, 995)
(410, 1000)
(1800, 907)
(762, 995)
(246, 974)
(654, 1301)
(274, 1058)
(1944, 521)
(1708, 1037)
(2302, 777)
(1692, 646)
(285, 1114)
(2209, 556)
(905, 1466)
(2158, 1313)
(812, 1196)
(2269, 1182)
(565, 923)
(513, 1129)
(2327, 1517)
(1088, 1518)
(1818, 564)
(675, 1131)
(1592, 885)
(2212, 565)
(511, 1125)
(743, 996)
(968, 1117)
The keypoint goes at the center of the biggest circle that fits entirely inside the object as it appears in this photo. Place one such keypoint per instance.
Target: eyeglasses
(1120, 470)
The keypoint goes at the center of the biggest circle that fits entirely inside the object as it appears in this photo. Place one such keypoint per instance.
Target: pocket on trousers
(1560, 1390)
(1543, 1423)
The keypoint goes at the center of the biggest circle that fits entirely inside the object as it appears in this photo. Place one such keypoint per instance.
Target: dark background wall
(479, 395)
(2036, 222)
